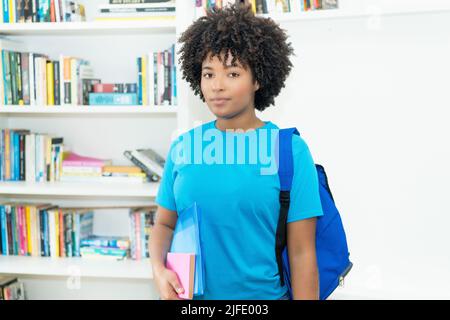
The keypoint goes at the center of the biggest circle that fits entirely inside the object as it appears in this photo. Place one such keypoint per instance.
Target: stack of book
(113, 94)
(28, 156)
(26, 11)
(149, 161)
(157, 83)
(141, 223)
(268, 6)
(77, 168)
(105, 247)
(118, 10)
(11, 288)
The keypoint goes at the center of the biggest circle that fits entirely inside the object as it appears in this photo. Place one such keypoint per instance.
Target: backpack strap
(286, 174)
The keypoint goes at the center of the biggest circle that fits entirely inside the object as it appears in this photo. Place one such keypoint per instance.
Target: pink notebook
(183, 264)
(73, 159)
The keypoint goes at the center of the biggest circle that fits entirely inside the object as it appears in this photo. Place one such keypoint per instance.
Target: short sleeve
(305, 197)
(165, 197)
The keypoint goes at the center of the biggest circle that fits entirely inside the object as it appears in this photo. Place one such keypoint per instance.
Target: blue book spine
(14, 230)
(5, 11)
(11, 155)
(77, 235)
(16, 157)
(4, 231)
(139, 65)
(46, 235)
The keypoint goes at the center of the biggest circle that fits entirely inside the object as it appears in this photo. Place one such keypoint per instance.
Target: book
(114, 2)
(112, 99)
(74, 159)
(106, 242)
(152, 176)
(151, 159)
(186, 239)
(183, 264)
(11, 288)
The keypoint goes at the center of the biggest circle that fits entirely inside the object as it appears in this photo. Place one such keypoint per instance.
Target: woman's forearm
(160, 241)
(304, 277)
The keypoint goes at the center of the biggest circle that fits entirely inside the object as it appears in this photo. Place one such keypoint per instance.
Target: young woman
(237, 63)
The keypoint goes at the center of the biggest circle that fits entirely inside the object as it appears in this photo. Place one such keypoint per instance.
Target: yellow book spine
(50, 84)
(12, 11)
(28, 222)
(253, 6)
(144, 81)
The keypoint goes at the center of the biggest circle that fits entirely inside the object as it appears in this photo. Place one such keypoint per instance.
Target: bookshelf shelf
(76, 189)
(369, 11)
(165, 26)
(88, 110)
(84, 267)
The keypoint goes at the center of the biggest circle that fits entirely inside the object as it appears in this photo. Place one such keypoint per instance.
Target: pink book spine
(24, 232)
(137, 223)
(19, 230)
(22, 239)
(76, 163)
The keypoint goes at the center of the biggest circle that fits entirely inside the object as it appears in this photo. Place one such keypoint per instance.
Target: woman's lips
(219, 102)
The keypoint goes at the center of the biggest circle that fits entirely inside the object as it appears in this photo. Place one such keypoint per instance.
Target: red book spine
(104, 87)
(52, 11)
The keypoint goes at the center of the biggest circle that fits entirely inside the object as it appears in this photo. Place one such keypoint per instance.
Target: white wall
(370, 97)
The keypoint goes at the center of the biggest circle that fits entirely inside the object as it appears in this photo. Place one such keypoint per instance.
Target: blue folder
(186, 239)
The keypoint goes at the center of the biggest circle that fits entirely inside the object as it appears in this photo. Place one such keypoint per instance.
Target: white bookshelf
(88, 28)
(83, 267)
(79, 189)
(148, 111)
(106, 131)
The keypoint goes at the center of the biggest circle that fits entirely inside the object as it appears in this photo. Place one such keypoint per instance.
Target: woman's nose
(217, 83)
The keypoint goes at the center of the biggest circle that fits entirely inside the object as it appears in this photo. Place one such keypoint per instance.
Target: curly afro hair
(256, 42)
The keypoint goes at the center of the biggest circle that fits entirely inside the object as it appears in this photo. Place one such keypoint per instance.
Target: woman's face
(229, 90)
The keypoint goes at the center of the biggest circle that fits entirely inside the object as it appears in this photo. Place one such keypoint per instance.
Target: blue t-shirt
(238, 194)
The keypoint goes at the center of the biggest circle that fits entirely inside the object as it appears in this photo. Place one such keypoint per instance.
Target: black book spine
(13, 66)
(9, 226)
(166, 78)
(19, 77)
(22, 157)
(57, 82)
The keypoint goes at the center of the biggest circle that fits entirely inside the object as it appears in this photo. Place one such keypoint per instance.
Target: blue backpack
(331, 244)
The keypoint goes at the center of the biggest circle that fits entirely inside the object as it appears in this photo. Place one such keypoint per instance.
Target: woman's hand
(168, 284)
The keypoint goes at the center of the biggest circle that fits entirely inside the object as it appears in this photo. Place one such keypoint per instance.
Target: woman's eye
(236, 74)
(206, 75)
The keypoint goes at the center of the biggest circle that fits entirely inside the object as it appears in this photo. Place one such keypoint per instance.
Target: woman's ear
(256, 86)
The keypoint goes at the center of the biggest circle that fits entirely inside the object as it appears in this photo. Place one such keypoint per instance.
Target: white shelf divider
(6, 110)
(88, 28)
(78, 189)
(76, 266)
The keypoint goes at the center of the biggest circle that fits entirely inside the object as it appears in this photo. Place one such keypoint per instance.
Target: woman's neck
(242, 122)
